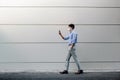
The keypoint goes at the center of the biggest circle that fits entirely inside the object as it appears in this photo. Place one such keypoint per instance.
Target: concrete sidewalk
(57, 76)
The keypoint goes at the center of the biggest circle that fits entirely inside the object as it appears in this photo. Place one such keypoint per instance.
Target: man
(72, 40)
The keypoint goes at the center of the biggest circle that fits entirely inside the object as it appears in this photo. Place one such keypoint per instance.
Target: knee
(68, 59)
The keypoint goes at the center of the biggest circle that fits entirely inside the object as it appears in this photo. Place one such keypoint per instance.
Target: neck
(71, 31)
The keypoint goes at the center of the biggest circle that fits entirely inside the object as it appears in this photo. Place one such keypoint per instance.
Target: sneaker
(79, 72)
(64, 72)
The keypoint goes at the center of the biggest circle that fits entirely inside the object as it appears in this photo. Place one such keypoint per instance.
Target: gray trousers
(71, 52)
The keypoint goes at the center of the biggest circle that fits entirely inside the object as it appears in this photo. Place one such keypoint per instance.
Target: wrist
(60, 34)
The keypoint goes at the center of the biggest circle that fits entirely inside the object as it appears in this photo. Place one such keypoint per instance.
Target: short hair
(72, 26)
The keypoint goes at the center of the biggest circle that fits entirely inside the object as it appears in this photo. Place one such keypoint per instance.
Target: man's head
(71, 27)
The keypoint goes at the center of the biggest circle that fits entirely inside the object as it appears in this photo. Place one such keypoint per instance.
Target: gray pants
(71, 52)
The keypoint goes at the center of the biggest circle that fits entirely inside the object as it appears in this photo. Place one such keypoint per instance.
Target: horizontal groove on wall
(60, 24)
(64, 62)
(49, 42)
(64, 6)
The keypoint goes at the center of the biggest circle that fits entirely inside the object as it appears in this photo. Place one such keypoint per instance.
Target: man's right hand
(59, 32)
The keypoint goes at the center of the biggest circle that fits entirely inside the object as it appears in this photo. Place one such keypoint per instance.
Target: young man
(72, 37)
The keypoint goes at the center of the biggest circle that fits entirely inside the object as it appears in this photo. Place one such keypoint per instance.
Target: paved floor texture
(57, 76)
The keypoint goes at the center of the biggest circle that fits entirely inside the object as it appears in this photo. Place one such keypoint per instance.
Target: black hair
(72, 26)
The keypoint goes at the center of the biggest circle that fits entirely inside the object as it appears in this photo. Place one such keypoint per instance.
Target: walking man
(72, 40)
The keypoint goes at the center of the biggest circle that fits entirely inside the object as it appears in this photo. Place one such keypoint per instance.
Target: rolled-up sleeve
(66, 38)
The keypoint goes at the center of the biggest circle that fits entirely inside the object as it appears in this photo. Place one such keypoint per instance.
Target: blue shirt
(72, 38)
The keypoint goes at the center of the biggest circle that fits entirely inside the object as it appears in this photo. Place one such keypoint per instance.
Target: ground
(57, 76)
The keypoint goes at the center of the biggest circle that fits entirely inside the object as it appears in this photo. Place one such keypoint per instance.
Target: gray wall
(29, 38)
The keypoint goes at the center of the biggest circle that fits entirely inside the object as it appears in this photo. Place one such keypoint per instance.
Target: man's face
(69, 29)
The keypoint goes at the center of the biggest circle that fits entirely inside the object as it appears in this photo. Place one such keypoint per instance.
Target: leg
(75, 58)
(77, 62)
(68, 60)
(67, 63)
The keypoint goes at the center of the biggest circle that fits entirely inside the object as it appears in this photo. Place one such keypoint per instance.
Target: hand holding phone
(59, 32)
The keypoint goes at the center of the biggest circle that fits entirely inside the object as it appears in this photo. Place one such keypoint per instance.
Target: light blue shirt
(72, 38)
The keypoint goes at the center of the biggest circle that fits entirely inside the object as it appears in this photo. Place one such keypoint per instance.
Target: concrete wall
(29, 38)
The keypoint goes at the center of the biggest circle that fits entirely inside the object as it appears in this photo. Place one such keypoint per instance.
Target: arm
(61, 34)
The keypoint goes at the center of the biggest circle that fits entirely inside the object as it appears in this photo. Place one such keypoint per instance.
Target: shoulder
(74, 33)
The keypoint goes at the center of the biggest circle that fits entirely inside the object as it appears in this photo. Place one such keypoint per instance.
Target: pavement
(57, 76)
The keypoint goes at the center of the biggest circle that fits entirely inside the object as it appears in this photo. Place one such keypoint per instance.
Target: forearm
(62, 36)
